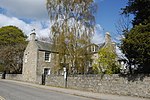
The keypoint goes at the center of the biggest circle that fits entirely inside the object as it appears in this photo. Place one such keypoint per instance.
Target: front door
(46, 72)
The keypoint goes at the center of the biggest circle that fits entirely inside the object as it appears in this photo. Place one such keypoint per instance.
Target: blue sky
(109, 12)
(29, 14)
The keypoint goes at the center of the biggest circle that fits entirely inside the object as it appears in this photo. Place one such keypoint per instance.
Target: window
(25, 58)
(47, 56)
(93, 48)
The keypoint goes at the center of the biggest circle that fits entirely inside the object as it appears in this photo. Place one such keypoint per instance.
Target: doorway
(45, 73)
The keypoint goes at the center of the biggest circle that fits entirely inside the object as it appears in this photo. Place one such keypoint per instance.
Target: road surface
(16, 91)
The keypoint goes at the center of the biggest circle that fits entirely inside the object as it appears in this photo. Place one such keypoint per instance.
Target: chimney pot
(107, 38)
(32, 36)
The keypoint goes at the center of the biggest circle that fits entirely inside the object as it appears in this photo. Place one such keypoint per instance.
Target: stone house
(39, 58)
(94, 48)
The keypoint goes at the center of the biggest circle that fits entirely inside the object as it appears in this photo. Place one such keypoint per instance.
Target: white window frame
(49, 57)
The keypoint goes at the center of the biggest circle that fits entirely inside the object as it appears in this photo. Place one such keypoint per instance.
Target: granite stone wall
(138, 85)
(30, 65)
(55, 81)
(18, 77)
(0, 75)
(41, 64)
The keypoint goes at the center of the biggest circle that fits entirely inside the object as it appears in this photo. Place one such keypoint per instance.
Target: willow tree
(72, 27)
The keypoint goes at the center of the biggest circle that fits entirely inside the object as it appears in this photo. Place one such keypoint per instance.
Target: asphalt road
(15, 91)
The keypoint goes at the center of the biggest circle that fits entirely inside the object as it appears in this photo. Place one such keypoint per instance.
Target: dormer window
(47, 56)
(93, 48)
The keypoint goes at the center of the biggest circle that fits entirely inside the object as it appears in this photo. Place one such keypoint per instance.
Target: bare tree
(123, 25)
(12, 57)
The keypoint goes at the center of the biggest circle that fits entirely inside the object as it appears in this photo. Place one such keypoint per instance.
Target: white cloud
(99, 35)
(34, 9)
(26, 28)
(26, 8)
(43, 32)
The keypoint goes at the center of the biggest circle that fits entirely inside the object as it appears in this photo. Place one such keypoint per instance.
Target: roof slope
(101, 45)
(44, 46)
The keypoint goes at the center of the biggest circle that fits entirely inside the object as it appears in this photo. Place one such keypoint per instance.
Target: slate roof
(101, 45)
(44, 46)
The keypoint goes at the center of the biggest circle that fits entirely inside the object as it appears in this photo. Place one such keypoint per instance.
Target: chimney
(114, 47)
(32, 36)
(107, 38)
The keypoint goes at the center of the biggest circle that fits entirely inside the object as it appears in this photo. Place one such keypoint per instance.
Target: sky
(32, 14)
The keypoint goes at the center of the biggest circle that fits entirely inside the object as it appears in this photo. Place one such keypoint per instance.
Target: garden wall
(137, 85)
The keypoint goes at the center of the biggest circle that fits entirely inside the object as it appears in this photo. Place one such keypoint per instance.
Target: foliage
(135, 44)
(12, 57)
(1, 68)
(12, 45)
(72, 28)
(11, 35)
(139, 8)
(136, 47)
(106, 62)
